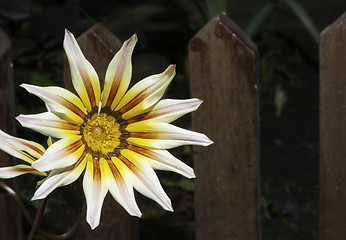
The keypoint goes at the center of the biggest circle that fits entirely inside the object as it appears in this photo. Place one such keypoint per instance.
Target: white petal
(15, 152)
(95, 190)
(15, 146)
(145, 93)
(118, 74)
(120, 186)
(167, 110)
(145, 180)
(14, 171)
(62, 153)
(49, 124)
(163, 136)
(84, 76)
(61, 101)
(162, 160)
(60, 177)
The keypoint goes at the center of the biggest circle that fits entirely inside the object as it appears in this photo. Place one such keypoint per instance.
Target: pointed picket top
(223, 73)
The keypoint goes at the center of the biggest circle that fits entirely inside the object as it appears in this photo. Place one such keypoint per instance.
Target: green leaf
(304, 18)
(186, 184)
(210, 8)
(40, 79)
(215, 7)
(255, 23)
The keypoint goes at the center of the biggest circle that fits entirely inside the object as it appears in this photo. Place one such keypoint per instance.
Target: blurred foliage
(285, 32)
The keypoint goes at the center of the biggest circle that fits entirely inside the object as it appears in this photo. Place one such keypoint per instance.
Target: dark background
(288, 77)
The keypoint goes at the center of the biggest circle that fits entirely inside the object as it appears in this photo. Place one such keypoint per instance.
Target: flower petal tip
(68, 38)
(168, 206)
(25, 86)
(170, 71)
(205, 141)
(197, 102)
(192, 175)
(139, 215)
(19, 118)
(67, 32)
(210, 142)
(170, 209)
(134, 37)
(36, 197)
(37, 166)
(93, 223)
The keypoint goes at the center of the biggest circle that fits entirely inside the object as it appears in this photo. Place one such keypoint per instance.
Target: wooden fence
(223, 72)
(333, 131)
(10, 220)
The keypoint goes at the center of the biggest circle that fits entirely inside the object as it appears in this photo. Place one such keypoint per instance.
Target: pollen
(101, 134)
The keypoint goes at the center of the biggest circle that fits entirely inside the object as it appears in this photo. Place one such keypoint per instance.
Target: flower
(23, 149)
(116, 137)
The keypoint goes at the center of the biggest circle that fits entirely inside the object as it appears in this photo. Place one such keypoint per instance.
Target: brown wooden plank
(333, 131)
(10, 221)
(99, 46)
(223, 73)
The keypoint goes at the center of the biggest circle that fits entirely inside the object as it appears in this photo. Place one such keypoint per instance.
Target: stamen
(101, 133)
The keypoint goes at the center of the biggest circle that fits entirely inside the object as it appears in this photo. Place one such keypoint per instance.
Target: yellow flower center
(101, 133)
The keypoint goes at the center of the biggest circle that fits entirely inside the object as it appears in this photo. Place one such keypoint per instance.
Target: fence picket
(99, 46)
(223, 73)
(10, 221)
(333, 131)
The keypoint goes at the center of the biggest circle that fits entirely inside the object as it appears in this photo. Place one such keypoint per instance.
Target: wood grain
(10, 221)
(223, 73)
(99, 46)
(333, 131)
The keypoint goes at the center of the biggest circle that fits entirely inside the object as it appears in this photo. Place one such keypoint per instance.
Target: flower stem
(27, 216)
(37, 220)
(14, 195)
